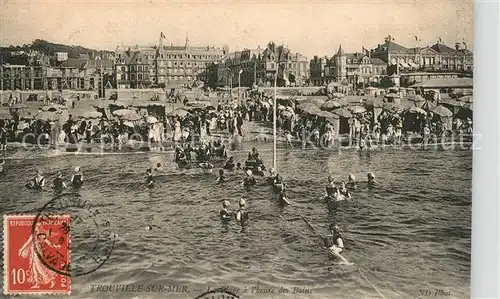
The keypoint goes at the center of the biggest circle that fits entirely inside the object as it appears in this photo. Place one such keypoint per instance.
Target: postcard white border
(485, 261)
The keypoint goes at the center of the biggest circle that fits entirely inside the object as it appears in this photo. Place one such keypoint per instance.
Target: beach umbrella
(318, 101)
(132, 117)
(309, 108)
(466, 99)
(442, 111)
(88, 114)
(48, 116)
(393, 107)
(357, 109)
(342, 112)
(427, 105)
(375, 103)
(417, 99)
(392, 95)
(54, 107)
(122, 112)
(327, 115)
(417, 110)
(330, 105)
(128, 124)
(180, 112)
(151, 119)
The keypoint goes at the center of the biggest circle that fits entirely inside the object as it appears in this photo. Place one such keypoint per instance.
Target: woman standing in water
(76, 180)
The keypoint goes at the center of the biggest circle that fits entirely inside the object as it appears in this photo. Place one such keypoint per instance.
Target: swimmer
(330, 187)
(371, 179)
(58, 183)
(344, 191)
(149, 177)
(351, 181)
(224, 213)
(158, 167)
(334, 242)
(362, 144)
(76, 180)
(207, 167)
(259, 171)
(221, 178)
(272, 176)
(241, 215)
(238, 166)
(229, 164)
(38, 182)
(249, 180)
(278, 183)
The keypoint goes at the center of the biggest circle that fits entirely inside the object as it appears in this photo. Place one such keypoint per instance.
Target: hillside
(46, 48)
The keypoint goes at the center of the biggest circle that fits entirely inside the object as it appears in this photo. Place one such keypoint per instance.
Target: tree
(386, 82)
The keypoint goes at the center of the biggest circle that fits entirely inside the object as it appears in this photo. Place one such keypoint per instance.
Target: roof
(377, 61)
(393, 47)
(357, 56)
(442, 48)
(103, 63)
(446, 83)
(340, 52)
(73, 63)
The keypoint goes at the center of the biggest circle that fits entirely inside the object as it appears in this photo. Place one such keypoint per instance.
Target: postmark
(92, 236)
(24, 271)
(218, 294)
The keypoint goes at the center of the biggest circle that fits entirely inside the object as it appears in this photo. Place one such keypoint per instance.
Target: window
(161, 56)
(139, 76)
(139, 68)
(189, 56)
(182, 63)
(146, 68)
(132, 68)
(132, 77)
(175, 63)
(124, 69)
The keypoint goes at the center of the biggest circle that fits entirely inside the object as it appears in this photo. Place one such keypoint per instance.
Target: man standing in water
(241, 215)
(335, 243)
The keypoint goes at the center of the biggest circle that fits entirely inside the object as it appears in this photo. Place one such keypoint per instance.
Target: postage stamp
(29, 249)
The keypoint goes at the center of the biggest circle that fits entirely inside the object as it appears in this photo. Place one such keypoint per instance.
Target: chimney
(457, 46)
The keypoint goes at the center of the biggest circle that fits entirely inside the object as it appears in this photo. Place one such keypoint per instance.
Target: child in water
(351, 181)
(225, 214)
(77, 178)
(221, 178)
(149, 177)
(371, 179)
(58, 183)
(207, 167)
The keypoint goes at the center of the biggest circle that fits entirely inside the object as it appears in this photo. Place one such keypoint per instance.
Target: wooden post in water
(274, 119)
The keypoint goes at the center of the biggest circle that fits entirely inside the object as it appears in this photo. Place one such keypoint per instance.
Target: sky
(308, 27)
